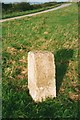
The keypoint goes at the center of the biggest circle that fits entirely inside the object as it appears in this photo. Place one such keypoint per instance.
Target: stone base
(41, 75)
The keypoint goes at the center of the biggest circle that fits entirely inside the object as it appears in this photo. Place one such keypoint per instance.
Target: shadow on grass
(62, 58)
(17, 102)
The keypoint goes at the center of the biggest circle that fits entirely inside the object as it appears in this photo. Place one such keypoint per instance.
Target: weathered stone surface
(41, 75)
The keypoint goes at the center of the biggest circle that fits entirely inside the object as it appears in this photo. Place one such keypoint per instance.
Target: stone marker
(41, 75)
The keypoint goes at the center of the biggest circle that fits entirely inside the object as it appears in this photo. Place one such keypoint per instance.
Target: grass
(0, 71)
(17, 13)
(55, 31)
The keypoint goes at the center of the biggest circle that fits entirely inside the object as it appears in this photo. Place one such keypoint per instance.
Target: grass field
(55, 31)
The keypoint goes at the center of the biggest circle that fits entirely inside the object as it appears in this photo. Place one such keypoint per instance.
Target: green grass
(17, 13)
(55, 31)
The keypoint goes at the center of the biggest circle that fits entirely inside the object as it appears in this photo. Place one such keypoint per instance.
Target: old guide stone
(41, 75)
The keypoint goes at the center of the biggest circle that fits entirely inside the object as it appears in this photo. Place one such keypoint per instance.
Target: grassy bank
(13, 13)
(55, 31)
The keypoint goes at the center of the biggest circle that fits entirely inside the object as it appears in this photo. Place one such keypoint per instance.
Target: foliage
(15, 7)
(55, 31)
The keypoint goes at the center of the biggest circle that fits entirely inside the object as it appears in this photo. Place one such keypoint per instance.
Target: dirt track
(18, 17)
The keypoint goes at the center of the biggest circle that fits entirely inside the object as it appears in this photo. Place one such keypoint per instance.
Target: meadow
(57, 32)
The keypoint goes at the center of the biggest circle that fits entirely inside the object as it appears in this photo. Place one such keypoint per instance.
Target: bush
(6, 7)
(23, 6)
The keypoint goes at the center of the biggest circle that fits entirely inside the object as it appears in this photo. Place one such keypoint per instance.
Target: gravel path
(18, 17)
